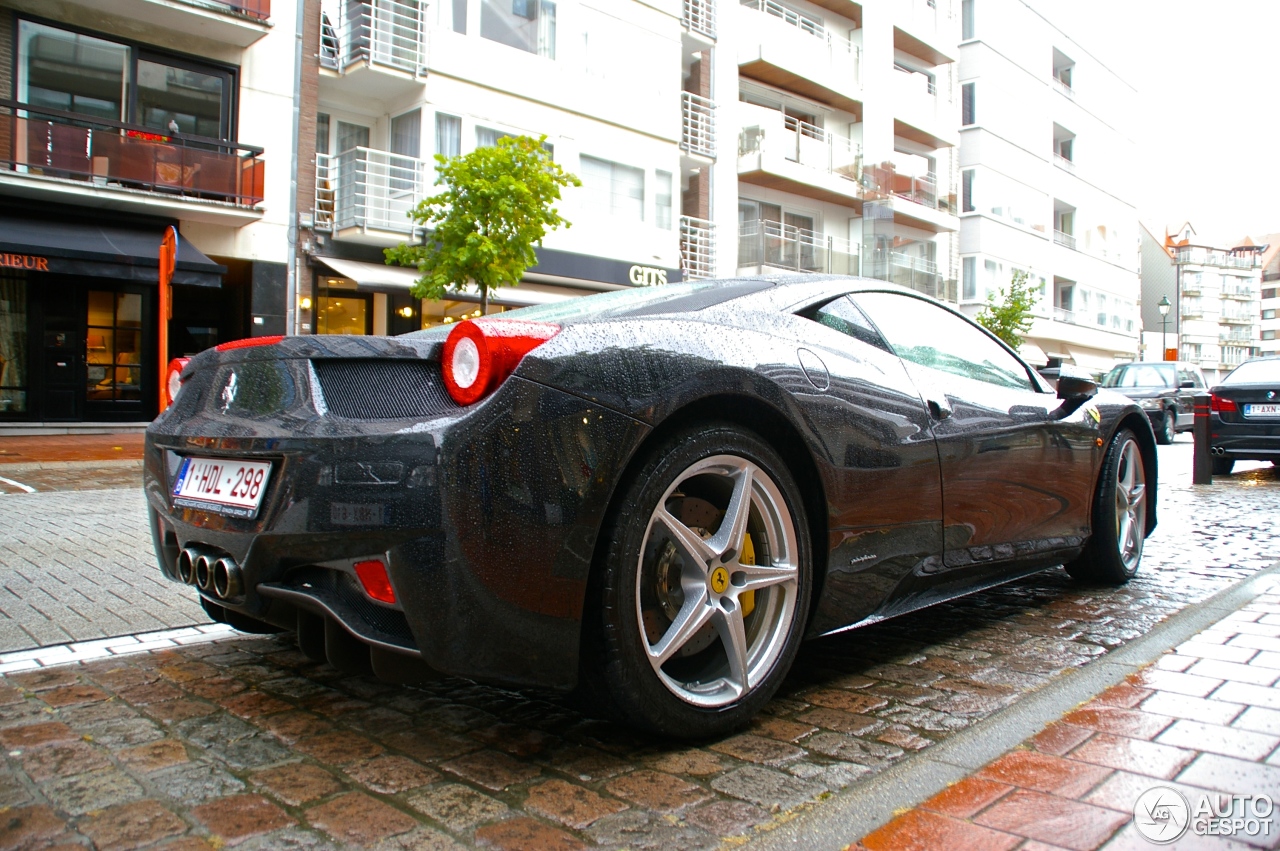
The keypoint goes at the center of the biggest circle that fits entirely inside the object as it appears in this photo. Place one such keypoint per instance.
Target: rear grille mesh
(368, 389)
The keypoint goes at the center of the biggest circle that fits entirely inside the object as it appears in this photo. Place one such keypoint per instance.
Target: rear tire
(1119, 516)
(705, 584)
(1223, 466)
(1166, 431)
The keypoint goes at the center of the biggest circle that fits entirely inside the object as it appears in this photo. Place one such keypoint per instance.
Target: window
(73, 72)
(113, 347)
(843, 316)
(968, 105)
(1268, 335)
(406, 134)
(528, 25)
(966, 19)
(924, 333)
(13, 345)
(1268, 314)
(966, 191)
(352, 136)
(613, 189)
(322, 133)
(1270, 292)
(448, 135)
(969, 278)
(662, 199)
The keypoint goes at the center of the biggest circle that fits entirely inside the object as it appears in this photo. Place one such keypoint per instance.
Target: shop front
(78, 319)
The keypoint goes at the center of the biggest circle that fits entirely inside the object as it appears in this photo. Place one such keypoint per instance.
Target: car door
(1017, 465)
(880, 468)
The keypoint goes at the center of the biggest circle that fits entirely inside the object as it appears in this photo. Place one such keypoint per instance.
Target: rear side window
(843, 316)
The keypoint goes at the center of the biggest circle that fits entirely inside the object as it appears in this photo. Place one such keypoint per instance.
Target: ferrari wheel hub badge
(719, 580)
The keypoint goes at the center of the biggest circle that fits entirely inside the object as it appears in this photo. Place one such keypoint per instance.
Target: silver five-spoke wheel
(1120, 515)
(716, 584)
(1131, 504)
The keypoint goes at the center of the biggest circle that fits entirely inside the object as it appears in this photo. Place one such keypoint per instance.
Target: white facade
(1045, 158)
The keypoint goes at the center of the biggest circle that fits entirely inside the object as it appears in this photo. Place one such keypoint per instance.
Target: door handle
(939, 410)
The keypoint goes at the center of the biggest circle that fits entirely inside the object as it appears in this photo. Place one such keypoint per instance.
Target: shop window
(113, 347)
(13, 345)
(349, 313)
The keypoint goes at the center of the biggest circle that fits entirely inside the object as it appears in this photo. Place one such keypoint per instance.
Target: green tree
(1007, 314)
(495, 207)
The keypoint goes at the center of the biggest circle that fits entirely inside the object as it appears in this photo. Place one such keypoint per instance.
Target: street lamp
(1163, 307)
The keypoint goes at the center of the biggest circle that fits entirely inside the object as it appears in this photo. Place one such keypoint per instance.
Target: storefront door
(114, 355)
(59, 398)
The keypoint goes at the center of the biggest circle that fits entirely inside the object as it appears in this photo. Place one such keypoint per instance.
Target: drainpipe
(291, 268)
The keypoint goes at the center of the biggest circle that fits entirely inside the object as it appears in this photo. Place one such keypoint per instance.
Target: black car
(1164, 389)
(652, 495)
(1244, 415)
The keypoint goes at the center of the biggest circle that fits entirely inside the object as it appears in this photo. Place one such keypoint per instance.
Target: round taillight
(479, 354)
(173, 379)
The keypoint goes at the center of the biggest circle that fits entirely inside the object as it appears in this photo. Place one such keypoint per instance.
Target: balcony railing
(1064, 163)
(47, 143)
(922, 15)
(1191, 286)
(844, 54)
(1236, 356)
(380, 32)
(775, 245)
(1239, 293)
(697, 248)
(698, 125)
(799, 142)
(1198, 255)
(1063, 87)
(1237, 319)
(921, 190)
(700, 16)
(1236, 338)
(1064, 239)
(364, 188)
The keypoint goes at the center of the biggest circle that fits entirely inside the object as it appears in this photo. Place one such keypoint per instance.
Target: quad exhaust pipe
(211, 572)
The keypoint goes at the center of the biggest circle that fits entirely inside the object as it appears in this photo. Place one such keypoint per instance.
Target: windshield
(1140, 375)
(641, 301)
(1255, 372)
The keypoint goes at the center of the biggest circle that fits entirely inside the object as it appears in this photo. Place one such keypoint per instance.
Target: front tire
(1119, 516)
(1223, 466)
(1165, 432)
(706, 584)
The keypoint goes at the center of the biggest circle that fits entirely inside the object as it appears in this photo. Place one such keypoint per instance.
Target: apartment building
(1215, 316)
(1269, 304)
(389, 84)
(121, 119)
(1045, 159)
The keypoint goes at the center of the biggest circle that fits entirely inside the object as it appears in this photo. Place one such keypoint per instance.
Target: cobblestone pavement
(1184, 735)
(242, 741)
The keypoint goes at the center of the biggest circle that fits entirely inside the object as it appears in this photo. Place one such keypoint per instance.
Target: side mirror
(1075, 385)
(1183, 385)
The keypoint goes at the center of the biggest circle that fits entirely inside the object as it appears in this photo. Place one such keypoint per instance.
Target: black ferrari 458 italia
(654, 494)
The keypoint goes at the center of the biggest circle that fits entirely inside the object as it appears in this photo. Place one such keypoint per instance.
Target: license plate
(224, 485)
(1262, 410)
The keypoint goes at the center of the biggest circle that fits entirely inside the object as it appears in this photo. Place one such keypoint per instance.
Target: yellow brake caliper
(747, 598)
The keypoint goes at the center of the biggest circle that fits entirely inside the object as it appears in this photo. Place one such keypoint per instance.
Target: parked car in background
(1244, 415)
(1164, 389)
(654, 494)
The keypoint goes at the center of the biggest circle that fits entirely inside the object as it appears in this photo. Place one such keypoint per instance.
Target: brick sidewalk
(57, 448)
(1204, 720)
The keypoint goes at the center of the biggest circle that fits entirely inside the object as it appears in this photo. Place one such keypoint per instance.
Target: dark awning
(103, 251)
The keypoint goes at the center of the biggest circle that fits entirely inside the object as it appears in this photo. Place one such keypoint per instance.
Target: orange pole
(168, 259)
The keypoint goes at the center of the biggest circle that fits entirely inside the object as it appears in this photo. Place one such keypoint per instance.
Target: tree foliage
(495, 207)
(1007, 314)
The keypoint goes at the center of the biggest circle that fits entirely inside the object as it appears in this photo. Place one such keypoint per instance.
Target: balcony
(1238, 319)
(781, 152)
(1236, 338)
(765, 245)
(235, 22)
(790, 51)
(1064, 239)
(926, 29)
(915, 272)
(378, 51)
(697, 248)
(118, 166)
(1238, 293)
(1063, 88)
(1198, 255)
(1191, 284)
(1063, 163)
(921, 114)
(364, 195)
(699, 16)
(697, 125)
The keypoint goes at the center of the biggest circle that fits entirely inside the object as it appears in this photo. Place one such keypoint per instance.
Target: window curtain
(448, 135)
